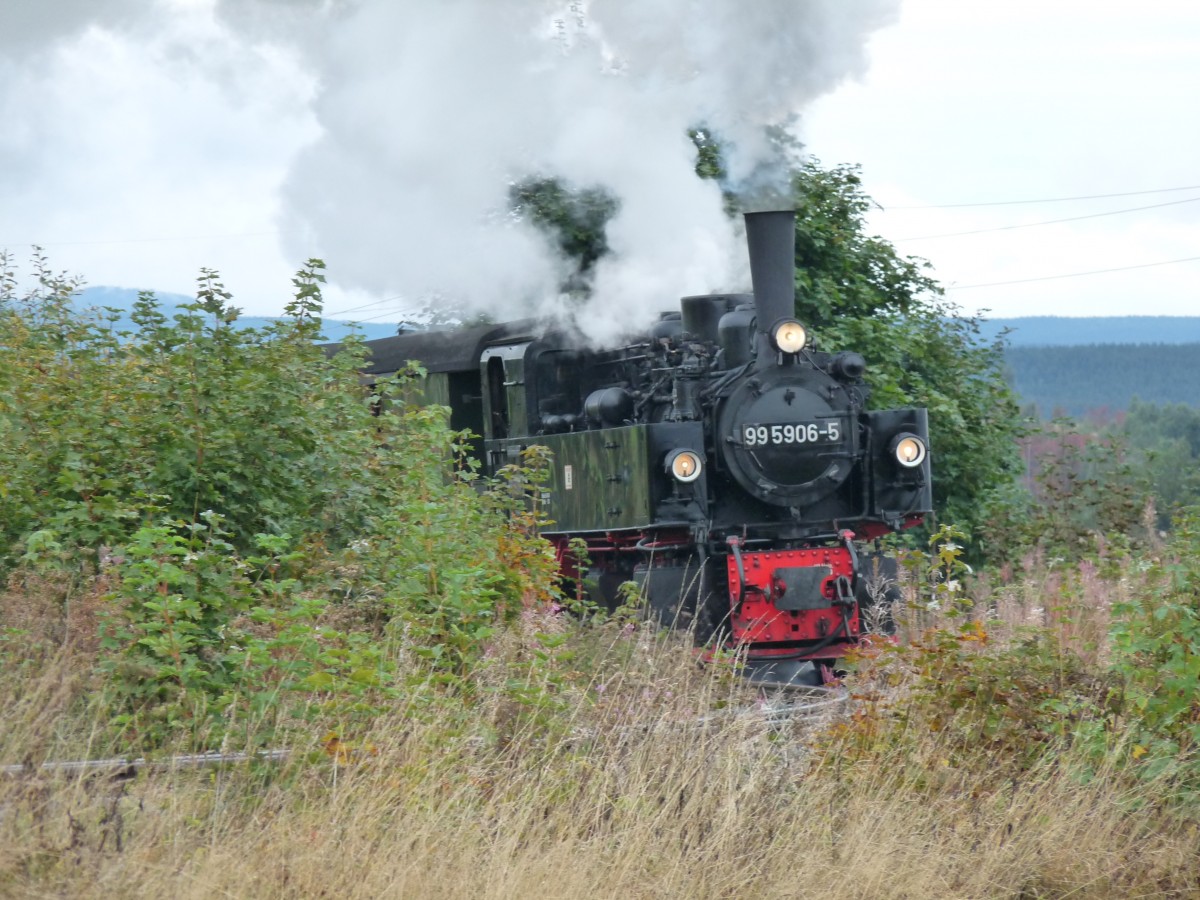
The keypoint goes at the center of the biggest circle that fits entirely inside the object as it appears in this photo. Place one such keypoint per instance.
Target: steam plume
(427, 112)
(430, 111)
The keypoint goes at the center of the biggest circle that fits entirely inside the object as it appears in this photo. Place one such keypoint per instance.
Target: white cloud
(128, 140)
(971, 103)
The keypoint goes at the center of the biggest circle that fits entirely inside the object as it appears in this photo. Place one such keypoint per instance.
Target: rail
(814, 702)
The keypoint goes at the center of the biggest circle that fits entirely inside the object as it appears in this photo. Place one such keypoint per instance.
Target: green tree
(1164, 441)
(855, 291)
(572, 219)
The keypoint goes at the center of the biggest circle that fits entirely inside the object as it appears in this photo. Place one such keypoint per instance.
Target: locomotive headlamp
(789, 336)
(909, 450)
(685, 465)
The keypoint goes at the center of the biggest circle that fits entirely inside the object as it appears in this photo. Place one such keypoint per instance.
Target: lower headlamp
(685, 465)
(909, 450)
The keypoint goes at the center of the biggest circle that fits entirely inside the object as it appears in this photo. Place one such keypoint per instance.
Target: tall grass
(640, 774)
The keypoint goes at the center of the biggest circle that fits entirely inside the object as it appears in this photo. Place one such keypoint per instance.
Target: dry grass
(641, 781)
(669, 813)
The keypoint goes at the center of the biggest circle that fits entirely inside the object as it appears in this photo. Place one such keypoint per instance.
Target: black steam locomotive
(729, 470)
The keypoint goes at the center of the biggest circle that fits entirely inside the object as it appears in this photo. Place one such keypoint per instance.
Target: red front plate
(759, 620)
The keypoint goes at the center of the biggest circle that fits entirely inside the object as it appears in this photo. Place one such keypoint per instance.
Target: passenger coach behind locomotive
(719, 462)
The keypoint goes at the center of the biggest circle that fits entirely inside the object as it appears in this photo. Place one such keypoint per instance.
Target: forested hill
(1074, 380)
(1074, 365)
(1059, 331)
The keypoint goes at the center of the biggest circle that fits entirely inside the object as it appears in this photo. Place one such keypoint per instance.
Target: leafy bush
(1103, 675)
(1156, 652)
(1084, 499)
(273, 537)
(102, 430)
(964, 687)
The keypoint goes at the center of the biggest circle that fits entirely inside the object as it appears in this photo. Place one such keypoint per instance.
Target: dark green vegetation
(573, 218)
(1076, 381)
(209, 538)
(1163, 444)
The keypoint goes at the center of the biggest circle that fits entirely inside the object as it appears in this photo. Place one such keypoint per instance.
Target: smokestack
(771, 238)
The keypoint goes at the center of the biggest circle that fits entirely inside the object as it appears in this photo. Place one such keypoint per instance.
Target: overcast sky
(1030, 100)
(143, 139)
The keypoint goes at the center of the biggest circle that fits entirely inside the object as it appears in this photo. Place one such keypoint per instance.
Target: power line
(1112, 212)
(373, 303)
(1192, 187)
(391, 312)
(1167, 262)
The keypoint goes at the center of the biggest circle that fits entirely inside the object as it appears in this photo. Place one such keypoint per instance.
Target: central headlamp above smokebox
(789, 336)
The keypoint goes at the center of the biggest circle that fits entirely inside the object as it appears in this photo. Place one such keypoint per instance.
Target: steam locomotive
(718, 461)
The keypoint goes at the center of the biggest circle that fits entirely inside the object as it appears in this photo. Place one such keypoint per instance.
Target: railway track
(786, 706)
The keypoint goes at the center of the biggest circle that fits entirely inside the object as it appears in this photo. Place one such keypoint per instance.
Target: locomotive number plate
(827, 431)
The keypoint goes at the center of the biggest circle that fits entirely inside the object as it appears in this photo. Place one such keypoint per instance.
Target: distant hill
(1076, 380)
(1076, 365)
(1059, 331)
(123, 299)
(1062, 365)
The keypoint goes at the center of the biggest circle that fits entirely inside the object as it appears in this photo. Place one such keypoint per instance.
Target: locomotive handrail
(645, 544)
(735, 545)
(847, 537)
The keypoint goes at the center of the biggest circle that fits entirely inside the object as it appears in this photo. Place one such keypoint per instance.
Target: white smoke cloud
(426, 112)
(740, 66)
(430, 111)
